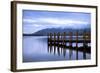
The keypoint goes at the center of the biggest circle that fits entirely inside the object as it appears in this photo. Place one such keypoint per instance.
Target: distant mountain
(44, 32)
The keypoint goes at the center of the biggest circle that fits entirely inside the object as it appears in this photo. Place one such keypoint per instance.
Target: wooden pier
(59, 40)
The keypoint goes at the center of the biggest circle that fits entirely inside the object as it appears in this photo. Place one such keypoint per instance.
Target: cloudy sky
(34, 21)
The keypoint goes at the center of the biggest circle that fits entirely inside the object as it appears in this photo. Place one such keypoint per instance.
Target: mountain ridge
(44, 32)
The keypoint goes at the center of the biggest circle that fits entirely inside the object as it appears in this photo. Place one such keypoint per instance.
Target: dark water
(35, 49)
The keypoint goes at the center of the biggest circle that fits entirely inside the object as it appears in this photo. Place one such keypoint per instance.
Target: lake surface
(36, 49)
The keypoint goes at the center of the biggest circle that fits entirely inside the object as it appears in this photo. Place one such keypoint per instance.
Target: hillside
(44, 32)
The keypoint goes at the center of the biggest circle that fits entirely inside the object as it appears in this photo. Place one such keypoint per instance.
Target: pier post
(64, 39)
(58, 37)
(50, 38)
(54, 40)
(76, 45)
(70, 41)
(84, 44)
(84, 38)
(48, 41)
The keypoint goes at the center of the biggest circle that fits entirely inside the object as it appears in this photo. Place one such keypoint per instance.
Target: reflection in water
(37, 49)
(58, 41)
(60, 50)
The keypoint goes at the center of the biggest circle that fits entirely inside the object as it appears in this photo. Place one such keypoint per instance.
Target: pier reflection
(61, 50)
(58, 44)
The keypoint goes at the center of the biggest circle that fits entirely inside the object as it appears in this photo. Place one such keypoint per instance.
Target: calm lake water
(35, 49)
